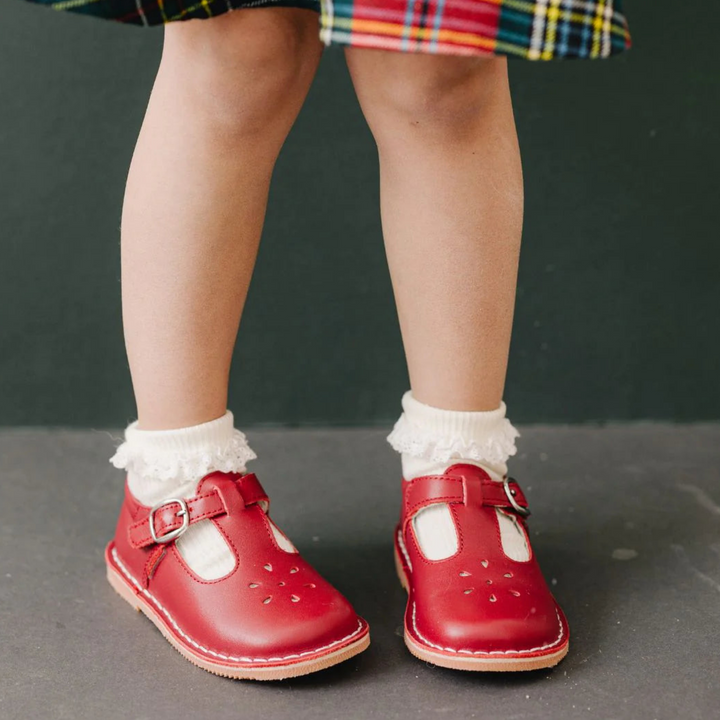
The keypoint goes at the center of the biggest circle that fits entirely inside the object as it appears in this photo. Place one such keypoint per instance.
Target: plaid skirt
(530, 29)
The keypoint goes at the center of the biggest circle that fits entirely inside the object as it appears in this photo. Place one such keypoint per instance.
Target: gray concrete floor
(645, 630)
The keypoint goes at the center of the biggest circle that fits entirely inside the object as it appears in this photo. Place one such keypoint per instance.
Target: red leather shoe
(271, 617)
(478, 609)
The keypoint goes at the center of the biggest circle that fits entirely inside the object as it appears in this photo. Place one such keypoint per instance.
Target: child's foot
(269, 616)
(473, 606)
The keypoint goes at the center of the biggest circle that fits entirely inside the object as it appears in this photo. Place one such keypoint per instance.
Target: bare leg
(227, 92)
(452, 205)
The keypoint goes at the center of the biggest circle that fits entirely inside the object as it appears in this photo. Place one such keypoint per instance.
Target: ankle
(430, 439)
(170, 463)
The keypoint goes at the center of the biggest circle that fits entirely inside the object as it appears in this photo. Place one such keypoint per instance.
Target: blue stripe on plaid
(437, 24)
(574, 27)
(532, 29)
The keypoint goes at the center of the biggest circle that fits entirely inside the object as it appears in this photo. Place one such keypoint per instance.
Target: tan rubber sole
(460, 662)
(236, 672)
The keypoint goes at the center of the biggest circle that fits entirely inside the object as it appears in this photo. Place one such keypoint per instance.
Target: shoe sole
(237, 672)
(473, 664)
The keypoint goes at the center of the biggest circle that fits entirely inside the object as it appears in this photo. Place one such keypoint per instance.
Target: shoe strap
(461, 489)
(174, 515)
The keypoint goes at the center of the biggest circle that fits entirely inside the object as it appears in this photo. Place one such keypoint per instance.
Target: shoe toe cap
(534, 630)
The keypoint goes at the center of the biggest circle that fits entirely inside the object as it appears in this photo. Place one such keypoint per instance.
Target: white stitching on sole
(491, 652)
(212, 652)
(476, 652)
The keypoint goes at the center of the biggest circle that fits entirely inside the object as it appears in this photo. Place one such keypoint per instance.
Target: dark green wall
(618, 297)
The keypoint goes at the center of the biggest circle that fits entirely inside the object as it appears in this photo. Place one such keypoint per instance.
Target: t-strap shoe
(271, 617)
(478, 609)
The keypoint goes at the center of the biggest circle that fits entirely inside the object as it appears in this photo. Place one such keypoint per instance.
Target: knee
(433, 94)
(248, 70)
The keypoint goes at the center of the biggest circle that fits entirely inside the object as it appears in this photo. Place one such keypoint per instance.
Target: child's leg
(452, 204)
(227, 92)
(207, 564)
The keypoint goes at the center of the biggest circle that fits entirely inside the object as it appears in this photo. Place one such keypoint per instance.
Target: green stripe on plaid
(160, 12)
(531, 29)
(562, 28)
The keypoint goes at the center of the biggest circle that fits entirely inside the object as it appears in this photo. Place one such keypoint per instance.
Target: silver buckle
(183, 512)
(519, 509)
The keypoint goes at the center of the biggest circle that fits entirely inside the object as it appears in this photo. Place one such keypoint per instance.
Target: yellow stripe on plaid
(539, 12)
(204, 4)
(580, 19)
(553, 13)
(597, 23)
(70, 4)
(398, 31)
(600, 26)
(530, 29)
(190, 9)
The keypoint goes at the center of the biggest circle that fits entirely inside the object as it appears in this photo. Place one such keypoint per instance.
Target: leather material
(272, 608)
(207, 505)
(451, 489)
(479, 601)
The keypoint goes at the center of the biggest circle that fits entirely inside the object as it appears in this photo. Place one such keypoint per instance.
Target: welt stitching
(491, 652)
(212, 652)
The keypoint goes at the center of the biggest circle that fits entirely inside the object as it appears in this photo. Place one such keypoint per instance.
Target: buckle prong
(510, 493)
(183, 513)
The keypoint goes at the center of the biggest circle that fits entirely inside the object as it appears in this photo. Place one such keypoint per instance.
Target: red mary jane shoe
(271, 617)
(478, 609)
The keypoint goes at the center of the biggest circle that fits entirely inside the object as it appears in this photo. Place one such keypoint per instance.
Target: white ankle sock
(164, 463)
(430, 440)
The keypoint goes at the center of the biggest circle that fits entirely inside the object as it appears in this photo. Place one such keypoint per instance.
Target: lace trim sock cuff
(185, 454)
(439, 436)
